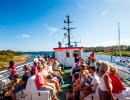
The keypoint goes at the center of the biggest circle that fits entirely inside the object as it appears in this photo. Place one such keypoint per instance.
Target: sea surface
(86, 54)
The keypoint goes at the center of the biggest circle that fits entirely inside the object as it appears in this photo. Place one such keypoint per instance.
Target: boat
(67, 56)
(121, 61)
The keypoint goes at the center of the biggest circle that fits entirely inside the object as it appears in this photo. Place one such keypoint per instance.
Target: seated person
(69, 94)
(55, 68)
(97, 67)
(82, 79)
(22, 84)
(93, 61)
(89, 59)
(118, 89)
(92, 54)
(59, 64)
(43, 85)
(76, 68)
(90, 85)
(33, 69)
(42, 61)
(35, 59)
(12, 69)
(50, 79)
(49, 69)
(14, 81)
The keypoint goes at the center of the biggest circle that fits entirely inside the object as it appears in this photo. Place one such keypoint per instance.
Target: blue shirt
(92, 63)
(25, 78)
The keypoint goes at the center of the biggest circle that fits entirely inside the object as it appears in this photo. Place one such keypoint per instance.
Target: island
(7, 55)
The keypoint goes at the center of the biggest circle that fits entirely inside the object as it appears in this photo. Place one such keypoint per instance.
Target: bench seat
(95, 96)
(31, 92)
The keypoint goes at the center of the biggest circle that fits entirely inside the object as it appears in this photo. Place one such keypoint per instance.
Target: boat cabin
(67, 55)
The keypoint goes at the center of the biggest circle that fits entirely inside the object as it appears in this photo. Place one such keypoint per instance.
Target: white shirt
(102, 85)
(92, 79)
(45, 72)
(35, 60)
(49, 69)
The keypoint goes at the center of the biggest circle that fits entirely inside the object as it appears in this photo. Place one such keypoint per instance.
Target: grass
(4, 60)
(123, 53)
(67, 80)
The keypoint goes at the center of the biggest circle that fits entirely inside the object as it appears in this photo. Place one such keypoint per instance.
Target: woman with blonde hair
(105, 86)
(118, 89)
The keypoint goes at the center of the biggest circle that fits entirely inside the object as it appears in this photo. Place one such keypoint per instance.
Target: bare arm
(107, 83)
(45, 76)
(20, 83)
(87, 87)
(12, 69)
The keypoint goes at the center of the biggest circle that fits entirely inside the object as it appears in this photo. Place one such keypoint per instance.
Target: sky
(35, 25)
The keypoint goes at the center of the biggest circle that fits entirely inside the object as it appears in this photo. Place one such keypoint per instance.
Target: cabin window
(67, 54)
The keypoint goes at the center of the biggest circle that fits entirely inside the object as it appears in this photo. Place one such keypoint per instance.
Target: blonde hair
(42, 60)
(27, 67)
(43, 66)
(104, 66)
(113, 70)
(39, 67)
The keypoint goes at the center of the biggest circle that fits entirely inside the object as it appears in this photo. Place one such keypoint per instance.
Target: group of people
(48, 76)
(87, 77)
(95, 76)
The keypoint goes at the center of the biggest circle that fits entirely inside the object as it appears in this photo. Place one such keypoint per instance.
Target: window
(67, 54)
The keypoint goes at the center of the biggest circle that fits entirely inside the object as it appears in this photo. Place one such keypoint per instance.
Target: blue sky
(35, 25)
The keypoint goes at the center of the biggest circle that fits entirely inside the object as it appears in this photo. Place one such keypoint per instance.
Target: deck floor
(67, 80)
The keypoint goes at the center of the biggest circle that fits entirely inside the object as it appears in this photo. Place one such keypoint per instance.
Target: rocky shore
(102, 53)
(17, 59)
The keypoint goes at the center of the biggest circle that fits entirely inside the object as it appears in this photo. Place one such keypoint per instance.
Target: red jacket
(116, 83)
(91, 55)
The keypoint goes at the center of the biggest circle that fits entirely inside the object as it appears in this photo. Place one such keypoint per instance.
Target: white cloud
(125, 41)
(53, 29)
(25, 36)
(105, 12)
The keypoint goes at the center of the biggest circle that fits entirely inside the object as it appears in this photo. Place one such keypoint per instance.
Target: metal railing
(5, 73)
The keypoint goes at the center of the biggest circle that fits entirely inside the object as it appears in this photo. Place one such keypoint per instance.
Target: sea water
(86, 54)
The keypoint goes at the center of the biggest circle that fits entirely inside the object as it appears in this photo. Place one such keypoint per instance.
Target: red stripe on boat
(68, 48)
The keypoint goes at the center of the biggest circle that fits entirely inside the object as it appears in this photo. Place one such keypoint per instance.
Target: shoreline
(102, 53)
(113, 54)
(17, 59)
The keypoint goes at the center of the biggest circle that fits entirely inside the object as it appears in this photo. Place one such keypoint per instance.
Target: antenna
(68, 29)
(119, 39)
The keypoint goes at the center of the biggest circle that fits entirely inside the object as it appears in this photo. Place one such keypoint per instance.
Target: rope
(63, 39)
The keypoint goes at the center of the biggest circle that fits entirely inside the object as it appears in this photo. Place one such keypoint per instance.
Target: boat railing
(120, 67)
(5, 73)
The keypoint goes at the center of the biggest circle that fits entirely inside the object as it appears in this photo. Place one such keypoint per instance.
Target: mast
(119, 38)
(68, 29)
